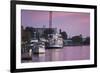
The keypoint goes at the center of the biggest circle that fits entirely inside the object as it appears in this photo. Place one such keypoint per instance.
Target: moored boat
(55, 41)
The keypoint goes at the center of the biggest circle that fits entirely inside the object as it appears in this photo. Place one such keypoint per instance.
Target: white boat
(55, 41)
(37, 46)
(41, 47)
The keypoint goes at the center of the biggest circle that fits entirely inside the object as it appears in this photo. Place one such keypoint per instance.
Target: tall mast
(50, 19)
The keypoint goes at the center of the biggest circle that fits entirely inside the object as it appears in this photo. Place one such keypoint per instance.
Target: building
(39, 32)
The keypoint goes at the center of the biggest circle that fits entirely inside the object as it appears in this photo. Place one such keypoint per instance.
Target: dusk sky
(74, 23)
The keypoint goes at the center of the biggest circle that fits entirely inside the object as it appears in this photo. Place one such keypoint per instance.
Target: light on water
(67, 53)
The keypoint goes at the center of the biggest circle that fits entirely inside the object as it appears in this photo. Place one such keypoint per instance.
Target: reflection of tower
(50, 19)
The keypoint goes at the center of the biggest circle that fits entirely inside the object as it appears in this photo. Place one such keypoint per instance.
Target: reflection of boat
(55, 41)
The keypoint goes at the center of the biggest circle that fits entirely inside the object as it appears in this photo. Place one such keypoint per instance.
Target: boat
(55, 41)
(37, 46)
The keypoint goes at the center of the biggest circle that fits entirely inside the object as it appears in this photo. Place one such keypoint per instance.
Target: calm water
(62, 54)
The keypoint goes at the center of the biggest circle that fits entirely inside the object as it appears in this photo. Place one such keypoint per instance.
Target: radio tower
(50, 19)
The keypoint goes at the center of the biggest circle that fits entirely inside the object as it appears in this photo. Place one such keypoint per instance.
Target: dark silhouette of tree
(86, 41)
(64, 35)
(27, 33)
(23, 37)
(77, 39)
(29, 29)
(60, 31)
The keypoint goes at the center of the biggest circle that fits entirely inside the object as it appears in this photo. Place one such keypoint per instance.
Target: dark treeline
(26, 34)
(75, 40)
(80, 40)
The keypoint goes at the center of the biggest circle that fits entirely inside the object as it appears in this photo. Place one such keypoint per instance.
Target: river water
(67, 53)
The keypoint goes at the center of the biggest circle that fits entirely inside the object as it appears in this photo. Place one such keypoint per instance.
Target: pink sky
(74, 23)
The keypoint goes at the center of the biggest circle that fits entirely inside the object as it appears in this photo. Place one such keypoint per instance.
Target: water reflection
(38, 57)
(53, 54)
(63, 54)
